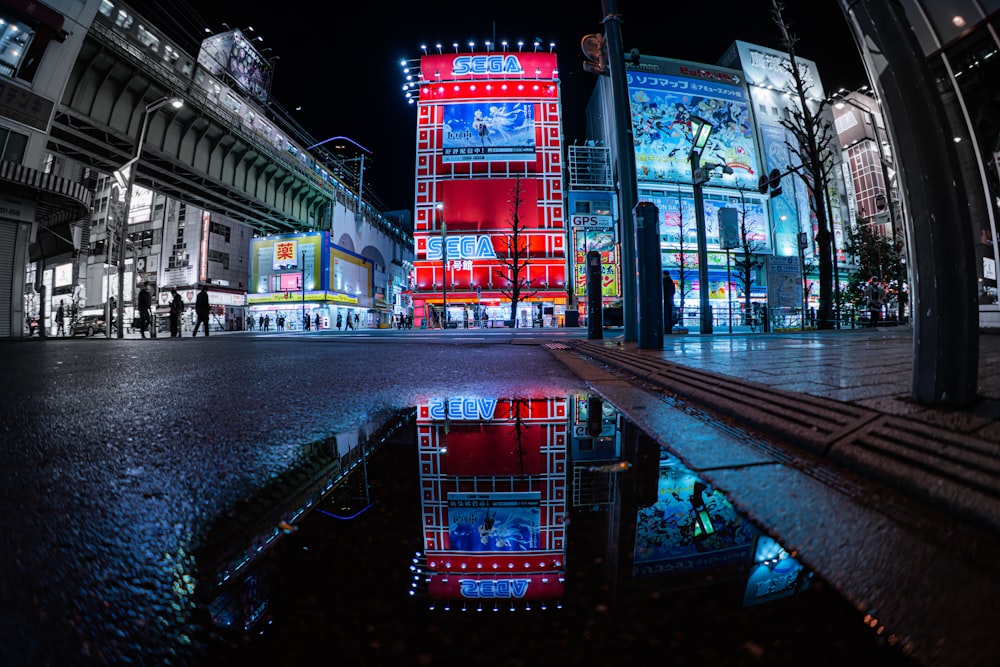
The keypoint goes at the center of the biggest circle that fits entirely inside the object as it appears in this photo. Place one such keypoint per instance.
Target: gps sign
(592, 222)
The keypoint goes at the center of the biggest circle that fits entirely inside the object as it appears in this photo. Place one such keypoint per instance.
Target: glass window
(15, 38)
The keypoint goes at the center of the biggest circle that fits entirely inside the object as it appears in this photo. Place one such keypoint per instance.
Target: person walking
(145, 306)
(201, 310)
(874, 296)
(317, 321)
(176, 308)
(668, 302)
(350, 325)
(60, 319)
(340, 321)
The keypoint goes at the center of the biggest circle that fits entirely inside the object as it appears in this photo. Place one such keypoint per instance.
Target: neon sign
(461, 247)
(493, 588)
(476, 409)
(494, 64)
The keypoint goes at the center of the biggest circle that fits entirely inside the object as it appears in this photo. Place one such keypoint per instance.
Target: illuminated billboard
(488, 131)
(233, 54)
(690, 526)
(663, 99)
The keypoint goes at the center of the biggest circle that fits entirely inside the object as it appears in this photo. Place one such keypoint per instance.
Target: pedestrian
(357, 320)
(350, 323)
(145, 305)
(317, 322)
(874, 296)
(60, 318)
(668, 301)
(201, 310)
(260, 322)
(176, 308)
(305, 323)
(267, 322)
(486, 320)
(339, 321)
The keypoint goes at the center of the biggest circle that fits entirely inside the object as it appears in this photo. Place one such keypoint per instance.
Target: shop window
(12, 145)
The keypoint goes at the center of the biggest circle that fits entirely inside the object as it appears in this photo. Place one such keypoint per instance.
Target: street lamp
(444, 269)
(131, 165)
(701, 129)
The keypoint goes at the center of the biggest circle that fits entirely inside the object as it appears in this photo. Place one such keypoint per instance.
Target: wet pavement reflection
(510, 532)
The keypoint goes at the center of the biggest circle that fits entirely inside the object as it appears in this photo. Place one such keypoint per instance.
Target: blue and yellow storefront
(305, 275)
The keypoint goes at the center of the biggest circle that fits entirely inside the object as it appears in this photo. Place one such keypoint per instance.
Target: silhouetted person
(176, 308)
(145, 306)
(668, 302)
(201, 310)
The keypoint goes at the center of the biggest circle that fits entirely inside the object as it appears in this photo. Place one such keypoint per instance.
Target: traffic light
(770, 182)
(596, 49)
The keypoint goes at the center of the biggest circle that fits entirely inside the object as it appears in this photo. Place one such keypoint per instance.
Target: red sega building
(489, 128)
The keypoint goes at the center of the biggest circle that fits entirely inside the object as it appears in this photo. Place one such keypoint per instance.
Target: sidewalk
(843, 395)
(814, 437)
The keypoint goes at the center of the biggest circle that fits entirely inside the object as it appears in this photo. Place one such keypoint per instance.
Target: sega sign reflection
(495, 64)
(475, 409)
(461, 247)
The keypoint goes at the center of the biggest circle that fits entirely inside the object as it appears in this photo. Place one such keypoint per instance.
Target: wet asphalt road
(118, 455)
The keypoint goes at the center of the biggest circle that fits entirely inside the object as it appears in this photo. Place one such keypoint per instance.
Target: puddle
(510, 531)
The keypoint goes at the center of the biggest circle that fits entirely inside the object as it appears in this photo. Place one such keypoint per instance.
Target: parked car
(613, 315)
(88, 325)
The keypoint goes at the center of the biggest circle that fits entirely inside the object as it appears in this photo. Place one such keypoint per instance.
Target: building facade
(745, 100)
(489, 191)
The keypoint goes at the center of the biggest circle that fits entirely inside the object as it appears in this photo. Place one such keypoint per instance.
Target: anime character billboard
(494, 521)
(662, 107)
(502, 131)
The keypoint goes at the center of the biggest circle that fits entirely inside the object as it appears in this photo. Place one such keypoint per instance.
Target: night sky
(339, 74)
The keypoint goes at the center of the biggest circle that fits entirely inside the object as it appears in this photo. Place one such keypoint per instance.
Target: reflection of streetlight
(444, 269)
(131, 165)
(700, 131)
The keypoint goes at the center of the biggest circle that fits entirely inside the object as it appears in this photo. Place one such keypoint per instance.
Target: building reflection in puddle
(527, 505)
(493, 496)
(500, 479)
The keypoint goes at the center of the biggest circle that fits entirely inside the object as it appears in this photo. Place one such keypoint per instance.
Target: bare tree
(685, 261)
(513, 255)
(750, 261)
(813, 140)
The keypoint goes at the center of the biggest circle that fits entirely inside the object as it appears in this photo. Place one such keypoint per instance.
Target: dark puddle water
(510, 532)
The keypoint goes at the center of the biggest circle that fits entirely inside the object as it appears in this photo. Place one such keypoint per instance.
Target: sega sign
(493, 588)
(461, 247)
(486, 64)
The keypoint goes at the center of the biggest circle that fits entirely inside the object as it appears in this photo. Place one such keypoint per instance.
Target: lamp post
(701, 129)
(131, 165)
(444, 269)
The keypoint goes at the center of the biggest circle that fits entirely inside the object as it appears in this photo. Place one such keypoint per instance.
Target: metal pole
(131, 165)
(699, 211)
(303, 290)
(625, 149)
(444, 272)
(122, 233)
(729, 289)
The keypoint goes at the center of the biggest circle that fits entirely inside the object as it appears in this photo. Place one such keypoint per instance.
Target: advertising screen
(494, 521)
(488, 131)
(690, 526)
(662, 107)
